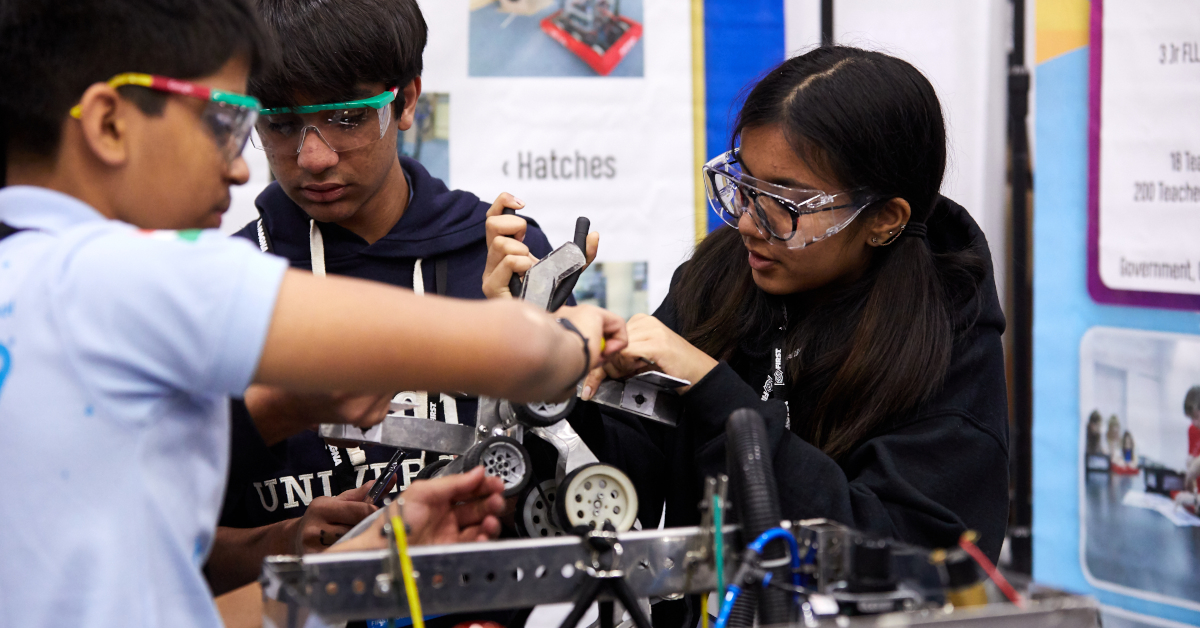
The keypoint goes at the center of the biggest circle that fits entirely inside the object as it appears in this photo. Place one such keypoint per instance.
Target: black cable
(514, 282)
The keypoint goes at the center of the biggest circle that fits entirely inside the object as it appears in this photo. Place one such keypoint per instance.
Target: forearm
(274, 412)
(238, 553)
(336, 333)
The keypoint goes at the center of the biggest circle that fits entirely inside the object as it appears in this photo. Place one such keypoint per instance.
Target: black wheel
(504, 458)
(543, 413)
(535, 516)
(428, 471)
(594, 495)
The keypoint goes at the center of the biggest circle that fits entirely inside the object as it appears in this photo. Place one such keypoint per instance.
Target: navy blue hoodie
(445, 230)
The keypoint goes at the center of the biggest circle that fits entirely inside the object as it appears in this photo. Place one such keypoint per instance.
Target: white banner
(1149, 162)
(530, 116)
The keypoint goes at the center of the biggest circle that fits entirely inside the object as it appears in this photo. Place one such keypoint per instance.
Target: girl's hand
(652, 347)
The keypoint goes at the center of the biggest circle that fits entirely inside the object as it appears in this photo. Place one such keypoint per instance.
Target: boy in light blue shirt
(124, 328)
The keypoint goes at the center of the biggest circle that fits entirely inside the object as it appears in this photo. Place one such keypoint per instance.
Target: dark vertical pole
(1021, 445)
(826, 23)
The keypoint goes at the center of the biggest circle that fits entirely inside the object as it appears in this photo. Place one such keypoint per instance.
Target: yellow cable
(704, 611)
(406, 569)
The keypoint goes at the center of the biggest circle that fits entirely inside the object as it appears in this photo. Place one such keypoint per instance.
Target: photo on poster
(556, 38)
(619, 287)
(1139, 455)
(428, 139)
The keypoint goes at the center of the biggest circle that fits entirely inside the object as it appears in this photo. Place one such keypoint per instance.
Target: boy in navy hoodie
(344, 203)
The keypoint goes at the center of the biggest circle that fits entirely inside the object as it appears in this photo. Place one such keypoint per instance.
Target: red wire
(990, 569)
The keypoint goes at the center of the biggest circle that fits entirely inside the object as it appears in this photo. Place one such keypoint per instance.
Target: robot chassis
(840, 577)
(327, 589)
(497, 440)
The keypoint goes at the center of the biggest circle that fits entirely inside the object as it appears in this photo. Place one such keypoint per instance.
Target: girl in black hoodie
(849, 303)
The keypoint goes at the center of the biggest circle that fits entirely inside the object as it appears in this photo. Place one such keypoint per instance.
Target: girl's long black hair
(879, 347)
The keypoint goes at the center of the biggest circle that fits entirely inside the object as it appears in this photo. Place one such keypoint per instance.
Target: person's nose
(315, 155)
(239, 171)
(747, 226)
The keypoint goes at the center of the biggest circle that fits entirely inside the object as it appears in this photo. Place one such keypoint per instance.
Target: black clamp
(605, 576)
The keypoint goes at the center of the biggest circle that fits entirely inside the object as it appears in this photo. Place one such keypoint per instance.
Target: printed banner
(579, 108)
(1145, 153)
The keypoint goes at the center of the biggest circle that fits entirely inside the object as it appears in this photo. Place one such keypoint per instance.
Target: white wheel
(597, 494)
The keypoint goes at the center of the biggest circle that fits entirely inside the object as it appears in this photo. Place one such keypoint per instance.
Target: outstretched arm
(337, 333)
(457, 508)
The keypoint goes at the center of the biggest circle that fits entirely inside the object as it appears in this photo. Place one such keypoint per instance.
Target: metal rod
(826, 23)
(1021, 315)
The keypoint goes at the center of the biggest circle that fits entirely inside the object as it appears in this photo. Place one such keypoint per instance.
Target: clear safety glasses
(794, 217)
(342, 126)
(229, 117)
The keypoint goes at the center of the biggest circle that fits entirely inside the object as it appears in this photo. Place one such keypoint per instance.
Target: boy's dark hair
(328, 48)
(51, 51)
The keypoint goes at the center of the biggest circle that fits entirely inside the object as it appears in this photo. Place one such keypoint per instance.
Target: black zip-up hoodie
(922, 478)
(441, 227)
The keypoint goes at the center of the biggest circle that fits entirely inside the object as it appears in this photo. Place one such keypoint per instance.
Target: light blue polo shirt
(119, 349)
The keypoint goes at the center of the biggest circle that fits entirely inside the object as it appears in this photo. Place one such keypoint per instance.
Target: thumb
(592, 382)
(593, 245)
(357, 494)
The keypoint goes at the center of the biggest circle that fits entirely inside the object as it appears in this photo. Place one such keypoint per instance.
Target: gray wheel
(543, 413)
(502, 457)
(535, 511)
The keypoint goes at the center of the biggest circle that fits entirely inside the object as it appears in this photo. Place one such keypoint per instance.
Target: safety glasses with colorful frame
(343, 126)
(793, 217)
(229, 117)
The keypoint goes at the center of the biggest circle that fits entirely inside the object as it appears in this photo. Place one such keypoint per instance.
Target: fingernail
(586, 394)
(519, 201)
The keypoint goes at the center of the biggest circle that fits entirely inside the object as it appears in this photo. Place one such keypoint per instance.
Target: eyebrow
(781, 181)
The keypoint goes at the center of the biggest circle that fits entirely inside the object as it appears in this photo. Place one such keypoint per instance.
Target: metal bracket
(544, 277)
(647, 395)
(572, 451)
(407, 432)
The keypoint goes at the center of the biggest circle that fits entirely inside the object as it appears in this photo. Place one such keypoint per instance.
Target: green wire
(719, 543)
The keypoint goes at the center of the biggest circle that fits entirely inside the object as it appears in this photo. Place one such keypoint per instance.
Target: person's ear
(410, 94)
(885, 223)
(103, 124)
